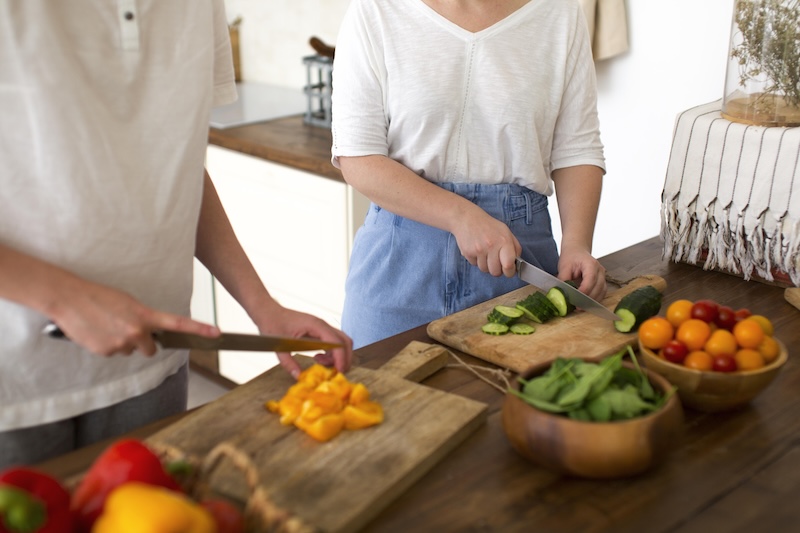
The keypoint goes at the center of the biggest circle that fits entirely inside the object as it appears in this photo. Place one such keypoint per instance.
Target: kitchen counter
(287, 141)
(732, 471)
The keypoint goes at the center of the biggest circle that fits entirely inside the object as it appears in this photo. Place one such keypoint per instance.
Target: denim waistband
(504, 201)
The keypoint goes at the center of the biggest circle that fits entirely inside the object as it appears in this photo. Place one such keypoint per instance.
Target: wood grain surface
(343, 483)
(579, 334)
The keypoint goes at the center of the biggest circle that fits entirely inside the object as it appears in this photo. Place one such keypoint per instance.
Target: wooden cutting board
(341, 484)
(579, 334)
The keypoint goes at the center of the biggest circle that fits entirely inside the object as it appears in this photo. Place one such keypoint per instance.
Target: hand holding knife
(545, 281)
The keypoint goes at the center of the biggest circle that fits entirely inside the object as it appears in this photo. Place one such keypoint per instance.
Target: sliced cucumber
(493, 328)
(538, 308)
(504, 314)
(559, 300)
(636, 307)
(522, 329)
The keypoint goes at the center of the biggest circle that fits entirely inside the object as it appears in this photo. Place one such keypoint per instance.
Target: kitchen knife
(226, 341)
(538, 277)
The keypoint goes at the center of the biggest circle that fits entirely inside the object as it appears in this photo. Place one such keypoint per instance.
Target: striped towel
(732, 194)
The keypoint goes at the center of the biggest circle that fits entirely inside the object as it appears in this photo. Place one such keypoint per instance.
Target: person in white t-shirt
(104, 203)
(457, 119)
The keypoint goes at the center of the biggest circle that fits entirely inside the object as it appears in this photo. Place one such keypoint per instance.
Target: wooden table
(737, 471)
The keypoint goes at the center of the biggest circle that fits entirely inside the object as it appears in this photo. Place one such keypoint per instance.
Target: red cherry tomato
(726, 317)
(724, 363)
(675, 352)
(741, 314)
(705, 310)
(227, 517)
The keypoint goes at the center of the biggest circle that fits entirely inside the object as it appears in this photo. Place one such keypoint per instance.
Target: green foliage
(599, 392)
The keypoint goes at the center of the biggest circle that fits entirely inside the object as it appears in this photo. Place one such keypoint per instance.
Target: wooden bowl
(597, 450)
(710, 391)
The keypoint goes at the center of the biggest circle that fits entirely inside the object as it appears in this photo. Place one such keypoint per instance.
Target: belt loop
(528, 207)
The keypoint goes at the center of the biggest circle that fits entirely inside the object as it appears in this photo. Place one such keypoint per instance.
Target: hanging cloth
(608, 27)
(731, 195)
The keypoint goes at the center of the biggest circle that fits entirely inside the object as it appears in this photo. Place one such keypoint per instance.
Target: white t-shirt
(105, 109)
(508, 104)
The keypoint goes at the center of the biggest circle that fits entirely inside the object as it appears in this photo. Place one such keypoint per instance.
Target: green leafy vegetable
(599, 392)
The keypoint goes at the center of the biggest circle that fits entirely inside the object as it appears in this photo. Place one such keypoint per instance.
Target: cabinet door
(297, 230)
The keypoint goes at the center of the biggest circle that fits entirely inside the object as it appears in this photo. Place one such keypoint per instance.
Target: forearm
(578, 194)
(483, 240)
(34, 283)
(219, 250)
(397, 189)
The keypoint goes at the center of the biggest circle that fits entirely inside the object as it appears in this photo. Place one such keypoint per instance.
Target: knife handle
(53, 331)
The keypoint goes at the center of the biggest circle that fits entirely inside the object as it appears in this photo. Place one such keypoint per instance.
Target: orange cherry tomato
(721, 342)
(765, 323)
(694, 333)
(769, 349)
(748, 359)
(748, 333)
(699, 360)
(679, 312)
(655, 333)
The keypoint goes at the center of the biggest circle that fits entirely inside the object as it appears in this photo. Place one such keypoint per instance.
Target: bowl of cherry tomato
(717, 357)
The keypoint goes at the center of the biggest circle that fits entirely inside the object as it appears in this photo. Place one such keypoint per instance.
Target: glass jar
(762, 81)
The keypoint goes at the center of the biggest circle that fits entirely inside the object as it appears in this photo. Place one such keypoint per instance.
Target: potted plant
(762, 83)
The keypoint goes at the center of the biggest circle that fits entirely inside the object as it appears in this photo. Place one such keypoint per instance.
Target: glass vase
(762, 81)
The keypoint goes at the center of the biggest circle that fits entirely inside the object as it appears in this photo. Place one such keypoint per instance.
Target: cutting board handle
(792, 295)
(417, 361)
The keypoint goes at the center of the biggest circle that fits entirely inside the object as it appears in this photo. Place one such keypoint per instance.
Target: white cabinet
(297, 229)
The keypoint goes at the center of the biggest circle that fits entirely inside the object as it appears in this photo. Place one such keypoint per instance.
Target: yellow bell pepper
(363, 415)
(324, 401)
(141, 508)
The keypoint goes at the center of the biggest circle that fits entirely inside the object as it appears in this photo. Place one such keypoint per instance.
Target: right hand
(487, 243)
(107, 321)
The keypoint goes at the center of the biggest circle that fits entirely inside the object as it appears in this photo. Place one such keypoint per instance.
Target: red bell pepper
(125, 460)
(33, 502)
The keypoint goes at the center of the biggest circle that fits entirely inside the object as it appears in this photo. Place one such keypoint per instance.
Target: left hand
(289, 323)
(579, 264)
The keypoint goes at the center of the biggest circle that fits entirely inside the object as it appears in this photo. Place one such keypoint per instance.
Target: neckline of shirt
(467, 35)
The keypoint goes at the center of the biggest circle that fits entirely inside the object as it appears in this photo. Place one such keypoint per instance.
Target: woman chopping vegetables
(457, 118)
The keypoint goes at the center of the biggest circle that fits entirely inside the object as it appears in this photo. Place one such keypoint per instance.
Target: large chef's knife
(226, 341)
(538, 277)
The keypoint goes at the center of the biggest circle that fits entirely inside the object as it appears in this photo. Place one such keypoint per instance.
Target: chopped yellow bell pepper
(363, 415)
(135, 507)
(324, 401)
(359, 394)
(323, 428)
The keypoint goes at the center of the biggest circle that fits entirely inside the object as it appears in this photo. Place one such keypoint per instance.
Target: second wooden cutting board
(339, 485)
(579, 334)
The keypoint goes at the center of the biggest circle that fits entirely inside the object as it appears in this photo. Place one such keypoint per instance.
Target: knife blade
(226, 341)
(545, 281)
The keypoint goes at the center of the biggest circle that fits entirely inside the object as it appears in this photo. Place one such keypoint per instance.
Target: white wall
(677, 59)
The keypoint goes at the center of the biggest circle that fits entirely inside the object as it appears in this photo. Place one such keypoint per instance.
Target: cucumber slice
(522, 329)
(503, 314)
(538, 308)
(493, 328)
(559, 300)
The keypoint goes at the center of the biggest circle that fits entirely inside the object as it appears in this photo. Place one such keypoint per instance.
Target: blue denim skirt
(404, 274)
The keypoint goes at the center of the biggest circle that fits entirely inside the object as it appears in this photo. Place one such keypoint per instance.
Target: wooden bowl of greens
(600, 420)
